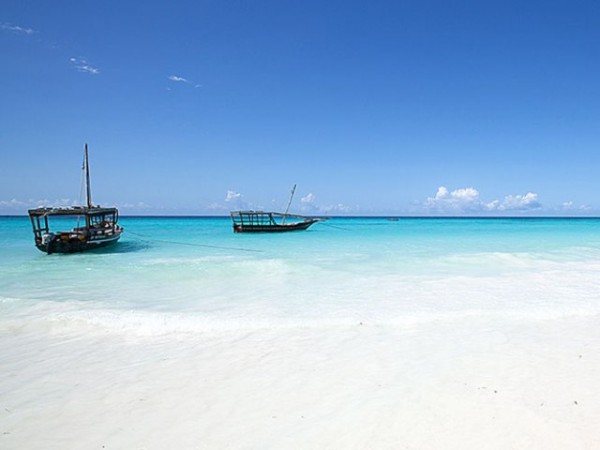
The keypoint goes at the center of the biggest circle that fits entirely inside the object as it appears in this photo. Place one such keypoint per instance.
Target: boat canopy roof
(266, 213)
(72, 211)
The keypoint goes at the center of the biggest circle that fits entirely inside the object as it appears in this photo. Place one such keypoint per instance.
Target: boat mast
(288, 206)
(87, 178)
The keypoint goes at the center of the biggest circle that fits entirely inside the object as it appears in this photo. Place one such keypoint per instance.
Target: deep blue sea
(194, 274)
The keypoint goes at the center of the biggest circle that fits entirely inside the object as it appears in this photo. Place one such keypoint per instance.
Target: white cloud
(568, 205)
(520, 202)
(183, 80)
(233, 200)
(16, 206)
(218, 207)
(82, 66)
(16, 29)
(337, 208)
(14, 203)
(467, 200)
(309, 205)
(232, 196)
(138, 205)
(309, 198)
(459, 200)
(571, 206)
(441, 193)
(178, 79)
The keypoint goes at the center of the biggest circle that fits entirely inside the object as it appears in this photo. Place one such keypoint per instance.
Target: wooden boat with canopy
(270, 222)
(86, 227)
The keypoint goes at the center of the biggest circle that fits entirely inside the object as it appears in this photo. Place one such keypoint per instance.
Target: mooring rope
(334, 226)
(191, 244)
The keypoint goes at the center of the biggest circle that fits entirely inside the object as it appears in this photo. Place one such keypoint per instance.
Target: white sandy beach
(462, 383)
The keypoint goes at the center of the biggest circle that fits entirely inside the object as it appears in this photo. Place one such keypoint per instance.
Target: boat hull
(75, 245)
(278, 228)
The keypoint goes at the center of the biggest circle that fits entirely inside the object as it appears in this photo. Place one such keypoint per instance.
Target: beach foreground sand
(467, 383)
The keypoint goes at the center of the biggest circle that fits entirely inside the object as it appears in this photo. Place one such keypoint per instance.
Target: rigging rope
(81, 187)
(191, 244)
(335, 226)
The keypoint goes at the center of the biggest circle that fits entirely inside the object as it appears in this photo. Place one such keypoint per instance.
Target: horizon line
(213, 216)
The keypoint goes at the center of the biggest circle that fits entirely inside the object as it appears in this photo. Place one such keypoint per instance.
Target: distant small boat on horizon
(95, 226)
(270, 222)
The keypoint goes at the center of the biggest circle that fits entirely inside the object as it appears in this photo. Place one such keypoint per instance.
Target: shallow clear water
(195, 274)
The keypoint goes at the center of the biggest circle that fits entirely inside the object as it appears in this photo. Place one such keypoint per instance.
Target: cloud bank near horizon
(468, 201)
(462, 201)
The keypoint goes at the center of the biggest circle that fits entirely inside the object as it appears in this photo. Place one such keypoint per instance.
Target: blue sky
(401, 107)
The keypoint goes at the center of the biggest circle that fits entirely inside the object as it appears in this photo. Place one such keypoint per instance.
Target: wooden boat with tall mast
(95, 226)
(270, 222)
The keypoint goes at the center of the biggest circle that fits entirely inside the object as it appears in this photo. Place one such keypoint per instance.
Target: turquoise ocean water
(194, 274)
